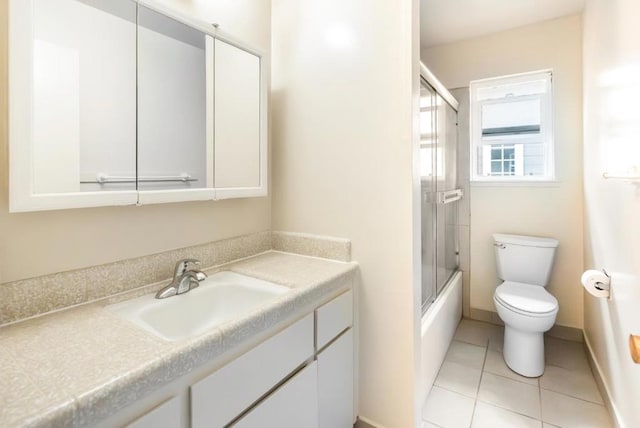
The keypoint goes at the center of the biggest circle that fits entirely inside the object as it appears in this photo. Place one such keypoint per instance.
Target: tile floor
(475, 388)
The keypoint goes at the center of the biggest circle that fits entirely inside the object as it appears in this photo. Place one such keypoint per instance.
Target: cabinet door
(335, 383)
(293, 405)
(240, 128)
(166, 415)
(220, 397)
(72, 104)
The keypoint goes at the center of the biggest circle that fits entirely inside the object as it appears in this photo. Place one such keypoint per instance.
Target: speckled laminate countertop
(80, 365)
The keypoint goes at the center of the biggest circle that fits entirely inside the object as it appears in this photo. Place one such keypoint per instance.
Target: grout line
(538, 385)
(504, 408)
(510, 410)
(515, 380)
(540, 400)
(468, 343)
(448, 390)
(584, 371)
(578, 372)
(482, 373)
(475, 402)
(574, 397)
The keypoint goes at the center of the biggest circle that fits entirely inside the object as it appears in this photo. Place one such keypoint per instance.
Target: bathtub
(438, 326)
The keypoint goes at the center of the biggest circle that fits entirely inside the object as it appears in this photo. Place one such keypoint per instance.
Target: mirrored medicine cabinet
(122, 102)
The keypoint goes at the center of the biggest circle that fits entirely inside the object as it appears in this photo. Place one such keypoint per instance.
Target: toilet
(524, 305)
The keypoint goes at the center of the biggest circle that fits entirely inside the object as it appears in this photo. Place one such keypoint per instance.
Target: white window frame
(477, 141)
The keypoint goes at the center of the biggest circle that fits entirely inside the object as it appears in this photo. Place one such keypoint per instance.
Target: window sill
(515, 183)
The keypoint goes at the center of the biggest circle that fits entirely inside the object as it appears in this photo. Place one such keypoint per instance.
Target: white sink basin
(220, 298)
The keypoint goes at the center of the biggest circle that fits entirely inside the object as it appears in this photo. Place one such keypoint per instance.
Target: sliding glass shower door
(439, 193)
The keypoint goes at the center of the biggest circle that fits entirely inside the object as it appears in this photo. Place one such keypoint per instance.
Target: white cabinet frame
(21, 169)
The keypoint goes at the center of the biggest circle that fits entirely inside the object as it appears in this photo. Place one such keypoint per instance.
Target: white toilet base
(524, 351)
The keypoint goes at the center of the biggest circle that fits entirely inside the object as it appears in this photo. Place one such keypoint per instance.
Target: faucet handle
(183, 265)
(187, 282)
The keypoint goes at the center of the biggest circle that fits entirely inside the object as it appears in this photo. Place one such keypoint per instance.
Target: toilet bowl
(527, 312)
(521, 300)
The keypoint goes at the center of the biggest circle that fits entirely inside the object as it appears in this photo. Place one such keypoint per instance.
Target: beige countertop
(78, 366)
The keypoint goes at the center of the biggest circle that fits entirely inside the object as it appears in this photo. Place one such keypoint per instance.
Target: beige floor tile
(546, 425)
(496, 338)
(510, 394)
(466, 354)
(474, 332)
(576, 383)
(495, 364)
(568, 412)
(488, 416)
(448, 409)
(426, 424)
(566, 354)
(459, 378)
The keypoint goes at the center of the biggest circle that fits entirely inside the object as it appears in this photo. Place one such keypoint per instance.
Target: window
(511, 129)
(431, 104)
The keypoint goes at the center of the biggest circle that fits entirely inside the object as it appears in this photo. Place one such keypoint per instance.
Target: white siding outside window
(511, 128)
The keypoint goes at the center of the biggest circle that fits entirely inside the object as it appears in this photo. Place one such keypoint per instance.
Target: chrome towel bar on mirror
(103, 178)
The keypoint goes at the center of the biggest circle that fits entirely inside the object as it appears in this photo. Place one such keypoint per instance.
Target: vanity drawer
(219, 398)
(333, 318)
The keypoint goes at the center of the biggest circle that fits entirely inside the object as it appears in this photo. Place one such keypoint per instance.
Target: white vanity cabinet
(302, 376)
(319, 395)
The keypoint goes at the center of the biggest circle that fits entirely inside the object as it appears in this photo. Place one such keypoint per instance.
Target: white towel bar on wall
(622, 177)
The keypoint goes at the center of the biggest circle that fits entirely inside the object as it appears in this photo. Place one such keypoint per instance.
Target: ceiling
(446, 21)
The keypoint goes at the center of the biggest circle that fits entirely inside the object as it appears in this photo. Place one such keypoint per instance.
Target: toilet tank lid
(530, 241)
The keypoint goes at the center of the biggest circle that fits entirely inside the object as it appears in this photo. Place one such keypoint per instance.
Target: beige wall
(38, 243)
(342, 156)
(612, 209)
(554, 210)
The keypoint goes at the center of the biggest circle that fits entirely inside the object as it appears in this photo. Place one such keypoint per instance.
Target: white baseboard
(366, 423)
(564, 332)
(603, 386)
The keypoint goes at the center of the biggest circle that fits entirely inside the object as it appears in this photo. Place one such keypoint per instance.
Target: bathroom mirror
(240, 154)
(116, 102)
(72, 102)
(175, 142)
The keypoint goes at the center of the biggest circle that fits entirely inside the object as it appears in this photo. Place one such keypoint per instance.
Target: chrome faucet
(184, 279)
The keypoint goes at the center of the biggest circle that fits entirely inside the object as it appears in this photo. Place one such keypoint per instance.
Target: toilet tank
(526, 259)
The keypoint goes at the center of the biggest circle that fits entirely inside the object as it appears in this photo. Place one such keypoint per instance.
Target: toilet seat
(526, 299)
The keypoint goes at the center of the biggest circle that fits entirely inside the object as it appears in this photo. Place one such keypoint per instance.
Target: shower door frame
(438, 197)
